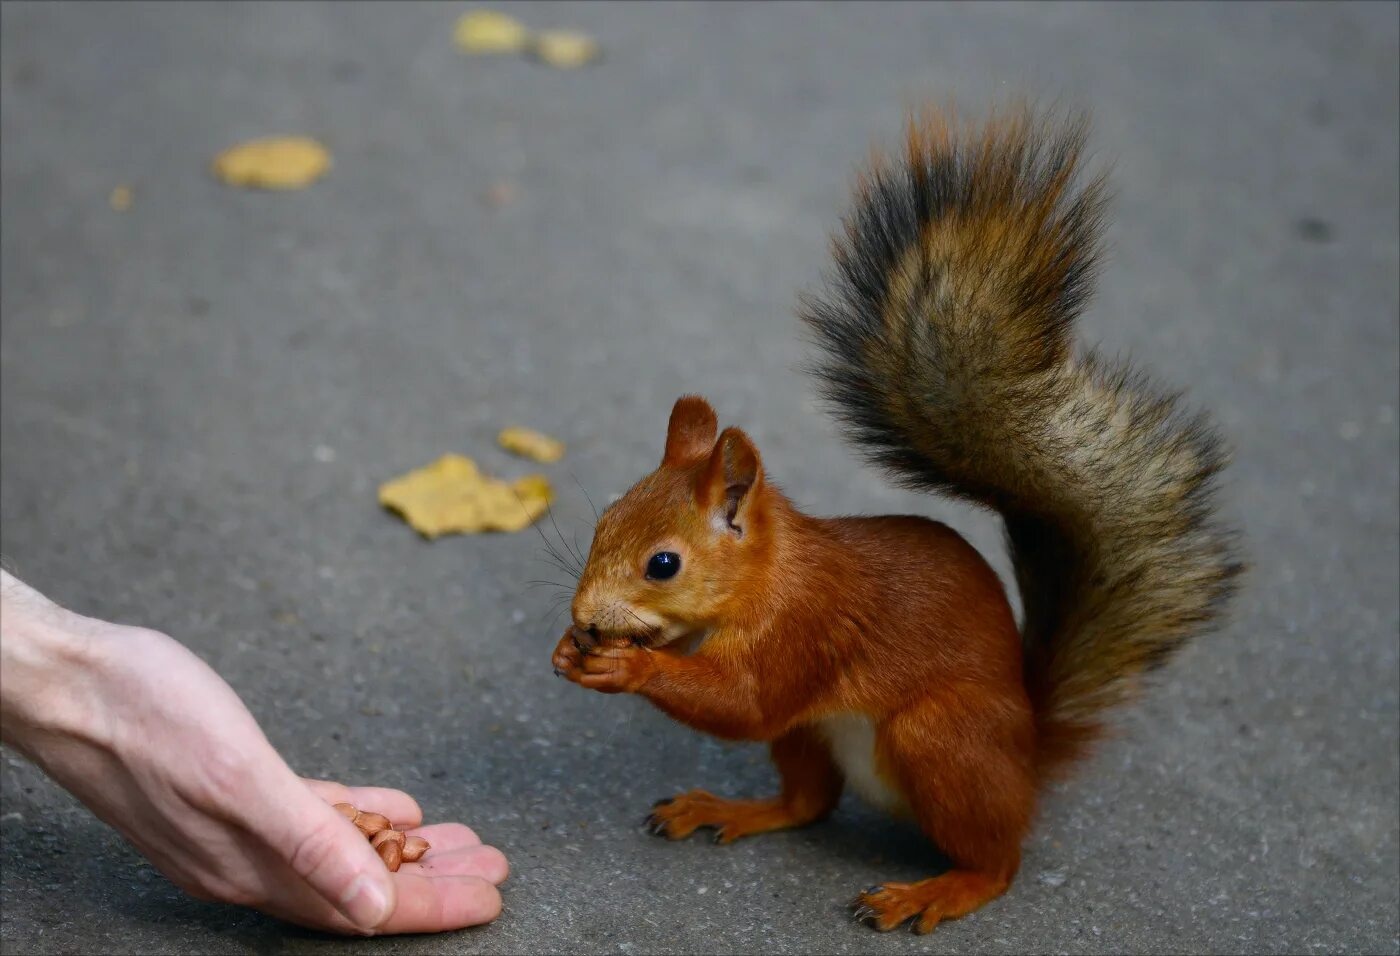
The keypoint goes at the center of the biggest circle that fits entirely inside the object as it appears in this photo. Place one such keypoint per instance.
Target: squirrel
(882, 652)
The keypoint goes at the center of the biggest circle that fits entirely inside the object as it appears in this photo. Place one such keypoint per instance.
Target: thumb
(336, 861)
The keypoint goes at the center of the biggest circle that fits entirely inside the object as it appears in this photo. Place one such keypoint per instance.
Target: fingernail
(365, 904)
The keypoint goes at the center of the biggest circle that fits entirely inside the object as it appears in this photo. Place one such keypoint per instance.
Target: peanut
(383, 836)
(393, 846)
(583, 640)
(414, 848)
(391, 854)
(371, 823)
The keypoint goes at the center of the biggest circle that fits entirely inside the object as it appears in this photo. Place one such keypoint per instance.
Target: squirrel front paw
(568, 654)
(611, 670)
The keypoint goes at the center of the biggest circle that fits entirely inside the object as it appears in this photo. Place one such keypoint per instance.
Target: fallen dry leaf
(451, 496)
(120, 199)
(486, 31)
(565, 49)
(281, 162)
(531, 444)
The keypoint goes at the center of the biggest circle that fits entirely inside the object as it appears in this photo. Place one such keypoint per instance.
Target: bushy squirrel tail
(946, 333)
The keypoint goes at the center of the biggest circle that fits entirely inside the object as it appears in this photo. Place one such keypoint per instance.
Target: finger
(401, 809)
(600, 665)
(571, 671)
(333, 857)
(604, 683)
(432, 905)
(446, 837)
(486, 862)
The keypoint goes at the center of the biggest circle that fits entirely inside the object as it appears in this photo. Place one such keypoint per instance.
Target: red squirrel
(882, 652)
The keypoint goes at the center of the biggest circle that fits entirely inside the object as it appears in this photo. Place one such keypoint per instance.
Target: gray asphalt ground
(170, 372)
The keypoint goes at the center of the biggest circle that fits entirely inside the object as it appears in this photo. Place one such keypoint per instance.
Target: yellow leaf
(120, 199)
(531, 444)
(281, 162)
(486, 31)
(451, 496)
(565, 49)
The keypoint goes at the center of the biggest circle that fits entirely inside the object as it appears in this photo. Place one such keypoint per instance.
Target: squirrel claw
(558, 672)
(861, 913)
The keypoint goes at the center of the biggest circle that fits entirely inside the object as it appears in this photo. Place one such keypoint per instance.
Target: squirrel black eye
(663, 565)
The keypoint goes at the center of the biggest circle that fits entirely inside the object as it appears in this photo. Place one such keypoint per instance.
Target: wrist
(48, 658)
(650, 672)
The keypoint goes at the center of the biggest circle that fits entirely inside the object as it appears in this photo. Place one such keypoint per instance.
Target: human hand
(158, 746)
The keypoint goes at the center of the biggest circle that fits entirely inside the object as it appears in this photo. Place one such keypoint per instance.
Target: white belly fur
(852, 739)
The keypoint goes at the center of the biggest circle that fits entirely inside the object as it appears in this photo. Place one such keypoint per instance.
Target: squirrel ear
(731, 477)
(691, 433)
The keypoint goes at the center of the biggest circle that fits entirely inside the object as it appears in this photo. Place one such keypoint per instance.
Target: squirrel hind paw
(953, 894)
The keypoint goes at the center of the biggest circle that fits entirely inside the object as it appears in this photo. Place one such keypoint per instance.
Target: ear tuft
(691, 434)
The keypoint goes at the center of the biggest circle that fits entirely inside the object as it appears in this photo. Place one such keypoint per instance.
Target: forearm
(708, 695)
(46, 665)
